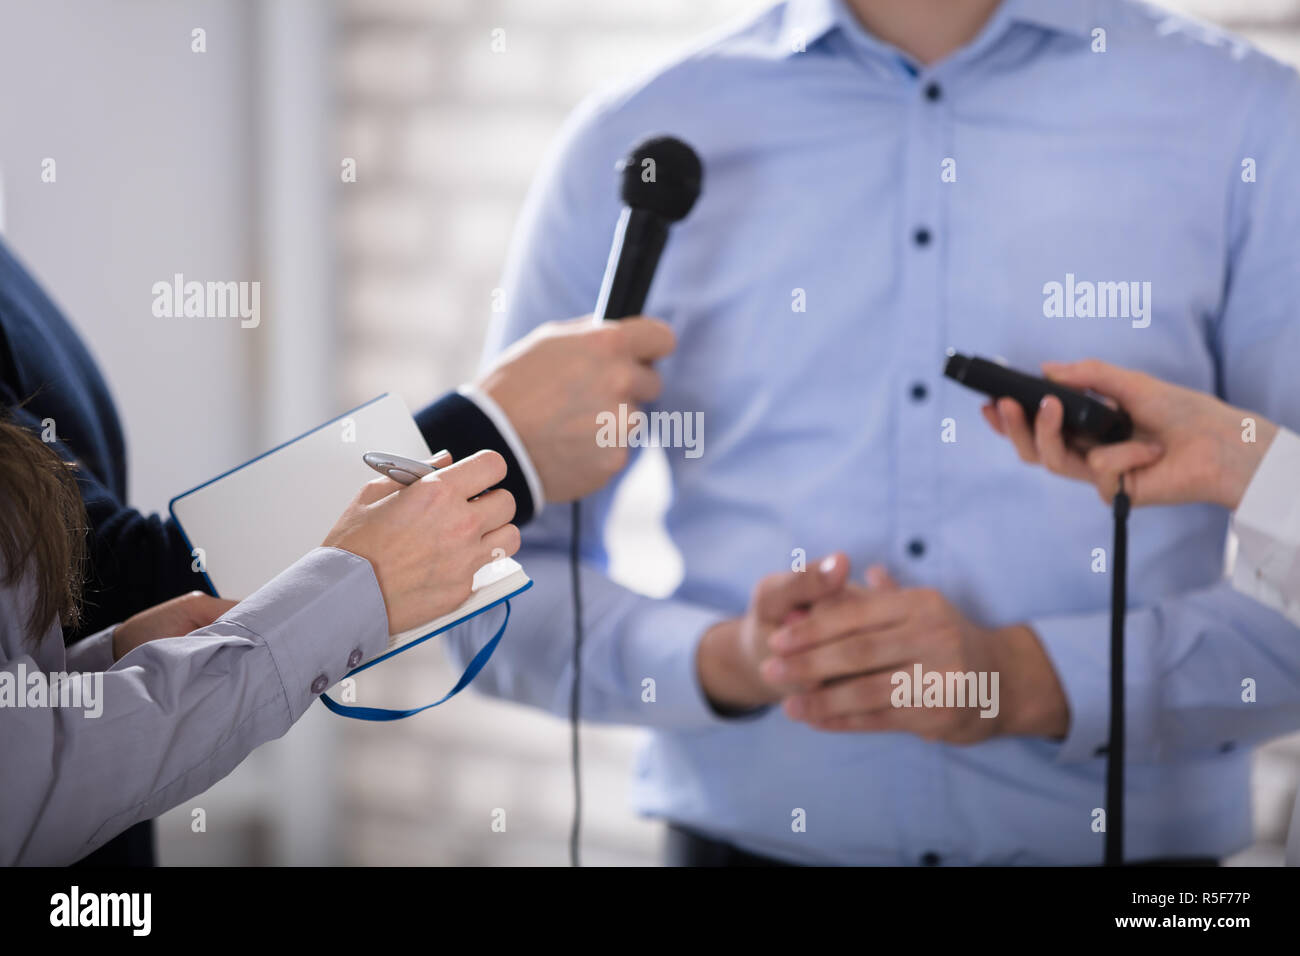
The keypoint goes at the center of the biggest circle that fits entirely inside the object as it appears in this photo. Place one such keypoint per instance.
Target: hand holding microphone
(1187, 446)
(553, 383)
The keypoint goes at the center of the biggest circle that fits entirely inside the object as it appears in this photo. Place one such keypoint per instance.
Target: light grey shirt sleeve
(173, 716)
(90, 654)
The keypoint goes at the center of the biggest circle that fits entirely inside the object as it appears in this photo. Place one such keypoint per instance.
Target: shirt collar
(807, 21)
(1061, 16)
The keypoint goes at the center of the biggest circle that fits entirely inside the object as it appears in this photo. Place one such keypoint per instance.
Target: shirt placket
(919, 436)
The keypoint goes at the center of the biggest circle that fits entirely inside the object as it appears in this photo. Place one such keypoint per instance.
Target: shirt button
(355, 657)
(916, 547)
(1101, 751)
(933, 92)
(921, 237)
(1227, 747)
(919, 391)
(319, 684)
(930, 858)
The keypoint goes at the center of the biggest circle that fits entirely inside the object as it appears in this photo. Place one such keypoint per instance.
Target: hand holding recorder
(1187, 445)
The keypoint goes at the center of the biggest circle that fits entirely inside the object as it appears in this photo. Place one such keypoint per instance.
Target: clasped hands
(826, 649)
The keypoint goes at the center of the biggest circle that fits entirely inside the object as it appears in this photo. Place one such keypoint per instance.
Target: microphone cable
(1114, 854)
(575, 692)
(659, 184)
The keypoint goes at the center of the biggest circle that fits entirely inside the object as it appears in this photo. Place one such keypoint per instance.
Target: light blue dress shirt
(1170, 157)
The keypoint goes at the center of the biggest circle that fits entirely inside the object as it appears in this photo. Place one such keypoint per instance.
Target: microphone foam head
(662, 175)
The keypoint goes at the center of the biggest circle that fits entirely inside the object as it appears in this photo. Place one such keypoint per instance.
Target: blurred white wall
(209, 164)
(154, 177)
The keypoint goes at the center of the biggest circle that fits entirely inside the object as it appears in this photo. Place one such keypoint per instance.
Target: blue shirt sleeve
(1212, 670)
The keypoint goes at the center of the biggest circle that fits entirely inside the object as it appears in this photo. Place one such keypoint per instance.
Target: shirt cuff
(1079, 649)
(488, 406)
(1271, 497)
(1267, 526)
(320, 618)
(92, 654)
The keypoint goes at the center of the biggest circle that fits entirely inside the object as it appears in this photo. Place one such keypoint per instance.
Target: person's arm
(1188, 447)
(180, 615)
(174, 716)
(1189, 657)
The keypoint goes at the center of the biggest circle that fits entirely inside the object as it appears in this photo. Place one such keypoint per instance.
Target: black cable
(1115, 747)
(575, 691)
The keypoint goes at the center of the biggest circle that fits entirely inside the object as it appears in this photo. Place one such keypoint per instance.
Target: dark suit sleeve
(136, 560)
(455, 423)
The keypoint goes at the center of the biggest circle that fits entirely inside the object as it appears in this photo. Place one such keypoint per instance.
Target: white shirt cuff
(1267, 525)
(499, 418)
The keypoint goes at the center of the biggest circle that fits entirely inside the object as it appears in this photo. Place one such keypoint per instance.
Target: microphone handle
(639, 240)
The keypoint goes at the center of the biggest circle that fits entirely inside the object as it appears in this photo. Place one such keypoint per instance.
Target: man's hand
(553, 383)
(731, 653)
(173, 618)
(1188, 445)
(843, 654)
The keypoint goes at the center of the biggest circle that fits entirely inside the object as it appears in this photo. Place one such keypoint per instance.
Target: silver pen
(404, 471)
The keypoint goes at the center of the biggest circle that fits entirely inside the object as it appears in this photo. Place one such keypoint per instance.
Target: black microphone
(660, 182)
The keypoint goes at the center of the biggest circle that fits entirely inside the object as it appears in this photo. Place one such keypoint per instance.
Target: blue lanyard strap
(476, 665)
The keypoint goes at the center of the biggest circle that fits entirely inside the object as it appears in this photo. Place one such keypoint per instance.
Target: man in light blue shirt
(864, 210)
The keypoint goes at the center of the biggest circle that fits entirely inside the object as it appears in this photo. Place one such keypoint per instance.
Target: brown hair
(42, 527)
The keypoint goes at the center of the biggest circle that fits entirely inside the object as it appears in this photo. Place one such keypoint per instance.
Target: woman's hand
(180, 615)
(1187, 445)
(426, 540)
